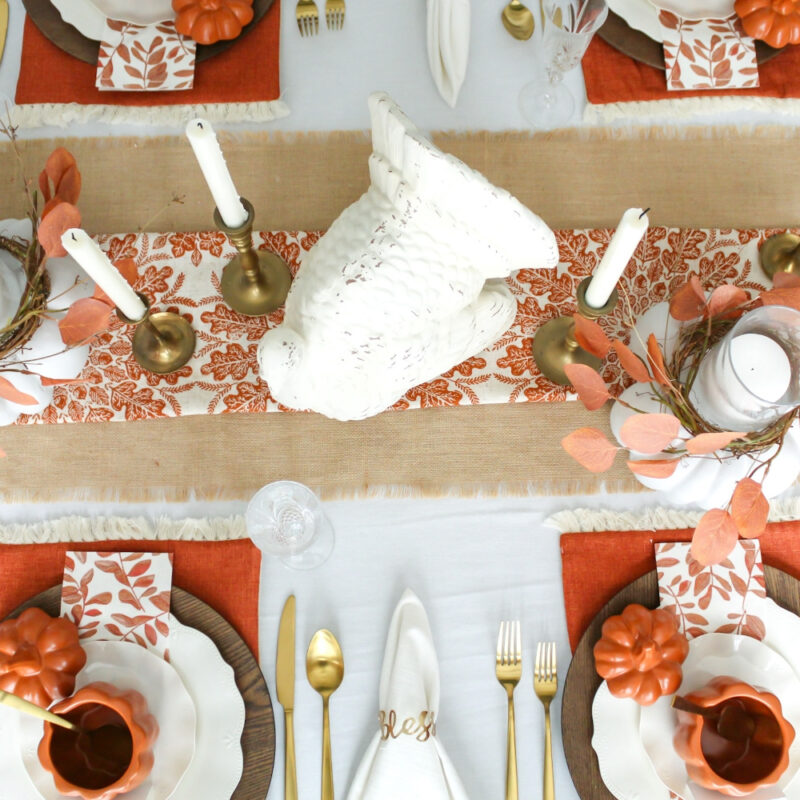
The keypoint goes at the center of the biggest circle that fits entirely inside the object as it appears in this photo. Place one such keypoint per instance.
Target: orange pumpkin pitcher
(112, 753)
(750, 762)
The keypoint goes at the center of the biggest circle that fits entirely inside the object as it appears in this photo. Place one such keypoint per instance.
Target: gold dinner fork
(545, 684)
(509, 670)
(307, 17)
(334, 14)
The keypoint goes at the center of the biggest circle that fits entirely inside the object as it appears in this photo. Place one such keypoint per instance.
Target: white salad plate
(89, 16)
(639, 14)
(623, 760)
(217, 765)
(697, 9)
(721, 654)
(126, 665)
(642, 15)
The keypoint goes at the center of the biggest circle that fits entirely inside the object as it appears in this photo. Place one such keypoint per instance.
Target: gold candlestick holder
(254, 282)
(780, 253)
(163, 341)
(555, 346)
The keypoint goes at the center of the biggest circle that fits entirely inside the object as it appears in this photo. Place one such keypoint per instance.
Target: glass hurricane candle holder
(749, 379)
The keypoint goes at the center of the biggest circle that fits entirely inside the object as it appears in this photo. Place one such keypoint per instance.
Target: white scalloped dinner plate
(89, 16)
(217, 765)
(624, 763)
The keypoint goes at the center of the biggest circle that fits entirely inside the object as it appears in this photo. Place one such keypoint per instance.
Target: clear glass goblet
(568, 28)
(285, 519)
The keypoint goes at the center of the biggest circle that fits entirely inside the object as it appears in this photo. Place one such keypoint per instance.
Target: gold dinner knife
(3, 25)
(284, 678)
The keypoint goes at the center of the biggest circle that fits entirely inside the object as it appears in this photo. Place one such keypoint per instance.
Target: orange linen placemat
(197, 567)
(612, 77)
(245, 73)
(595, 566)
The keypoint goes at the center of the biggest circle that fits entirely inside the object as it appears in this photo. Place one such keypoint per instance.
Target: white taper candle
(209, 156)
(95, 263)
(627, 236)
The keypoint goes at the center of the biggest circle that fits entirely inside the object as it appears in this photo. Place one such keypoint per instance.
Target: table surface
(473, 562)
(325, 79)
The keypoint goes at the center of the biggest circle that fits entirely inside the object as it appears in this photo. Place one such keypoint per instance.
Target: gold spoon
(518, 20)
(325, 670)
(12, 701)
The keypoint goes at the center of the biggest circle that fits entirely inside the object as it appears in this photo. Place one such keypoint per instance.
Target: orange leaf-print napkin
(707, 53)
(724, 598)
(144, 58)
(119, 596)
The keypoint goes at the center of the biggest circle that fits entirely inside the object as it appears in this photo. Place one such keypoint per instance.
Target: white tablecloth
(473, 562)
(326, 79)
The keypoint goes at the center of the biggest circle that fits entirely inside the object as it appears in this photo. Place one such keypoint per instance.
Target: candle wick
(644, 212)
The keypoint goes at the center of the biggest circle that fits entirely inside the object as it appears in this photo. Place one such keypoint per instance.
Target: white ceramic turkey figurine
(405, 284)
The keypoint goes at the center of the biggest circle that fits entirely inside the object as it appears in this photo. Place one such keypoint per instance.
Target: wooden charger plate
(582, 681)
(47, 19)
(639, 46)
(258, 736)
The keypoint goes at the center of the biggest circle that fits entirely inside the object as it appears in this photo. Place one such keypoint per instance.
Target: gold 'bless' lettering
(421, 727)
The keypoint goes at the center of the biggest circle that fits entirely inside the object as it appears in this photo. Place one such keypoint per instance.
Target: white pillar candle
(627, 236)
(761, 365)
(209, 156)
(95, 263)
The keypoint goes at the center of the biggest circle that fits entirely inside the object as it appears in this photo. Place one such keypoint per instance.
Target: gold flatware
(284, 679)
(325, 670)
(334, 14)
(545, 685)
(26, 707)
(518, 20)
(509, 670)
(3, 25)
(307, 17)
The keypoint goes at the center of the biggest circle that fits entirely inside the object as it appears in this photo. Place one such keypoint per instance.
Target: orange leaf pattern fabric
(728, 597)
(180, 271)
(707, 53)
(144, 58)
(119, 597)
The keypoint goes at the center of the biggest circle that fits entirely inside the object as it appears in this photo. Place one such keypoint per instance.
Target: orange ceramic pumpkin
(640, 654)
(734, 768)
(73, 765)
(39, 656)
(208, 21)
(776, 22)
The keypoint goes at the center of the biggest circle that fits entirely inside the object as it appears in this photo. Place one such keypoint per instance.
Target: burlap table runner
(697, 178)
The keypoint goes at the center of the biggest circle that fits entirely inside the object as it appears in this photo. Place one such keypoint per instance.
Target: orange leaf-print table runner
(595, 566)
(180, 271)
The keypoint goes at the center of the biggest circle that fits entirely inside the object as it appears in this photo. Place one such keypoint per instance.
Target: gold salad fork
(307, 17)
(509, 670)
(334, 14)
(545, 684)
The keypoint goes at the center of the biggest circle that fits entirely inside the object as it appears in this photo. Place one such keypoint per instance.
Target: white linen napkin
(448, 45)
(406, 759)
